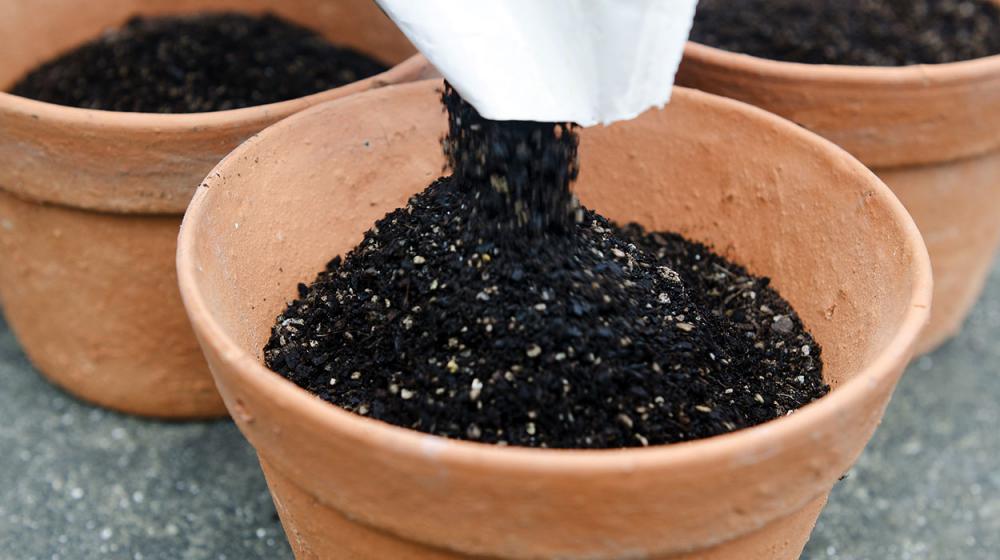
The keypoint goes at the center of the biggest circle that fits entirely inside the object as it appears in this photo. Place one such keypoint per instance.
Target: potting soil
(852, 32)
(189, 64)
(494, 308)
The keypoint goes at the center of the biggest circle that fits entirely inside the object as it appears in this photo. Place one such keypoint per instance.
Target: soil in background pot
(852, 32)
(495, 308)
(201, 63)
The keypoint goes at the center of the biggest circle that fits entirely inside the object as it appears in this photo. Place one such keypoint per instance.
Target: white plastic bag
(583, 61)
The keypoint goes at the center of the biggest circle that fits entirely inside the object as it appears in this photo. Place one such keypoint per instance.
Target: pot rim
(421, 446)
(916, 76)
(76, 118)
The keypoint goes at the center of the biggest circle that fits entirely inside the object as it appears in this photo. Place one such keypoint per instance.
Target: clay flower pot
(790, 205)
(90, 203)
(930, 132)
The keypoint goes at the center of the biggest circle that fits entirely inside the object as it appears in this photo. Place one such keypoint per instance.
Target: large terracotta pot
(790, 205)
(90, 203)
(931, 132)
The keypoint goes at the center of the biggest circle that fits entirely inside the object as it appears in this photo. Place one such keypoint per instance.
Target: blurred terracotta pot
(90, 203)
(783, 201)
(930, 132)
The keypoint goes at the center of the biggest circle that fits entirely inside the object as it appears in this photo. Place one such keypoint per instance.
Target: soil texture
(852, 32)
(192, 64)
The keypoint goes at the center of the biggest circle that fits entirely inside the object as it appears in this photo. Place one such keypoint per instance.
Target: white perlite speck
(670, 274)
(475, 389)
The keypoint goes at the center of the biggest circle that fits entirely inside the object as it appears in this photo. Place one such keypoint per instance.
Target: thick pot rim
(129, 122)
(420, 446)
(916, 76)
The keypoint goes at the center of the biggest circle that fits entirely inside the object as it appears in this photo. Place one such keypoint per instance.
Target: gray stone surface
(77, 482)
(928, 486)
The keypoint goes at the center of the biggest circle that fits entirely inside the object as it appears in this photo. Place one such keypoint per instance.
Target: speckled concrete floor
(78, 482)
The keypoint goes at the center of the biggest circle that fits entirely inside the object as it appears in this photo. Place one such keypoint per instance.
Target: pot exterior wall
(956, 205)
(342, 498)
(91, 202)
(928, 131)
(318, 532)
(93, 299)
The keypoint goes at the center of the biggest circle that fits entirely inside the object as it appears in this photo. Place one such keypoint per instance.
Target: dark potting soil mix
(853, 32)
(190, 64)
(494, 308)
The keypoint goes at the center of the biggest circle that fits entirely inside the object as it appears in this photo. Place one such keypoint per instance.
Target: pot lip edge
(731, 446)
(132, 122)
(251, 120)
(915, 75)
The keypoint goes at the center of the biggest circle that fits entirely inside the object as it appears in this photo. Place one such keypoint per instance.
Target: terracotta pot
(90, 203)
(930, 132)
(790, 205)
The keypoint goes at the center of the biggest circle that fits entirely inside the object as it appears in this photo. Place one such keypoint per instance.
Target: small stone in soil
(199, 63)
(852, 32)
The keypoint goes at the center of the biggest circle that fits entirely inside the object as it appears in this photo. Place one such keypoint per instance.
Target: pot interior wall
(34, 31)
(753, 188)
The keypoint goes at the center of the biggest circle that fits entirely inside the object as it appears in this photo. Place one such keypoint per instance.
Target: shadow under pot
(764, 192)
(91, 201)
(929, 131)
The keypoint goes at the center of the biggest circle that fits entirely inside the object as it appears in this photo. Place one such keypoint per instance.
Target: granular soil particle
(574, 334)
(852, 32)
(199, 63)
